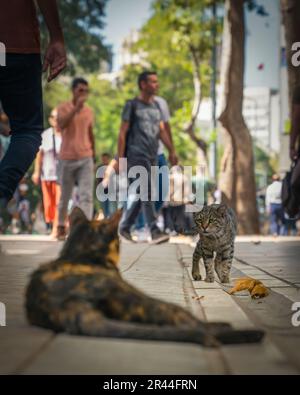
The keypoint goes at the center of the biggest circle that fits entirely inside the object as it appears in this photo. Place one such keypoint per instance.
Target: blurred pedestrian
(162, 183)
(77, 154)
(24, 209)
(20, 83)
(4, 133)
(108, 206)
(142, 127)
(179, 196)
(274, 205)
(46, 171)
(295, 127)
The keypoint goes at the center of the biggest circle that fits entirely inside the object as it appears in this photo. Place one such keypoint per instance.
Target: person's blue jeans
(134, 207)
(289, 227)
(163, 180)
(108, 208)
(21, 98)
(276, 218)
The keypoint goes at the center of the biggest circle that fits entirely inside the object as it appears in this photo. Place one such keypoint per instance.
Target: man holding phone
(77, 154)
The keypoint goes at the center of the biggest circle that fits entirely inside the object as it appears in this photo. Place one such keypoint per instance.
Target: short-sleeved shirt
(165, 112)
(143, 133)
(76, 137)
(51, 143)
(19, 28)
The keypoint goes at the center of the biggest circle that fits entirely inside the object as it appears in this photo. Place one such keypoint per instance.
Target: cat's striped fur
(216, 225)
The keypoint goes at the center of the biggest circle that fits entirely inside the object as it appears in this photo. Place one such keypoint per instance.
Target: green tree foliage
(82, 22)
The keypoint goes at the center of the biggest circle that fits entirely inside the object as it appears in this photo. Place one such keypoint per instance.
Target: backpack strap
(133, 103)
(158, 107)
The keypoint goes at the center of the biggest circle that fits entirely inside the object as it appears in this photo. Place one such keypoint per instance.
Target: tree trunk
(237, 180)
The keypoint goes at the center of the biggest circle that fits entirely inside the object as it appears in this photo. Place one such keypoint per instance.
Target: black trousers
(174, 218)
(21, 98)
(145, 205)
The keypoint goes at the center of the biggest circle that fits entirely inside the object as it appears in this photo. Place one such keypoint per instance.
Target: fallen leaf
(198, 297)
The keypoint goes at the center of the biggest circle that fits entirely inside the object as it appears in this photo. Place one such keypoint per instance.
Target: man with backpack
(291, 182)
(142, 127)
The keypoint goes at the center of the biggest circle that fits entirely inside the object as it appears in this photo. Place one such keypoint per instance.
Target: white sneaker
(143, 235)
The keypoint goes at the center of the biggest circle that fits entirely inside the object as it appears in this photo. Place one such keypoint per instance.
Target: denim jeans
(108, 208)
(134, 207)
(21, 98)
(276, 219)
(163, 180)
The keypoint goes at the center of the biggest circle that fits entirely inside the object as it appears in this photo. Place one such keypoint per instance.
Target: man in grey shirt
(142, 127)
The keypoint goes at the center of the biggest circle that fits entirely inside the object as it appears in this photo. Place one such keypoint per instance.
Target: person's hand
(293, 154)
(35, 178)
(105, 182)
(80, 102)
(173, 158)
(55, 59)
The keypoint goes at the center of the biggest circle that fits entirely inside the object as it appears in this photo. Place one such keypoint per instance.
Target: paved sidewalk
(164, 272)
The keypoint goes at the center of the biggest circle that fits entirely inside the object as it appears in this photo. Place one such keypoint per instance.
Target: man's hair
(106, 154)
(144, 77)
(77, 81)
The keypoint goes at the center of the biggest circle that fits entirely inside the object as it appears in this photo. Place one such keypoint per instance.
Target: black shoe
(126, 235)
(61, 233)
(48, 227)
(159, 237)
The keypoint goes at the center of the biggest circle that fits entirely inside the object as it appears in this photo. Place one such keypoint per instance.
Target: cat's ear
(114, 220)
(77, 216)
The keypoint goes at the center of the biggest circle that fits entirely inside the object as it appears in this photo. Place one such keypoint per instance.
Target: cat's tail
(82, 319)
(244, 336)
(93, 324)
(119, 329)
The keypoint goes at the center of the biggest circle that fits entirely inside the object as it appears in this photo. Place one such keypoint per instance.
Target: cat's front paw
(209, 279)
(196, 276)
(225, 280)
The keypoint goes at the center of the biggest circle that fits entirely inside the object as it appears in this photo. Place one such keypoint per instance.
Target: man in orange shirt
(77, 153)
(20, 82)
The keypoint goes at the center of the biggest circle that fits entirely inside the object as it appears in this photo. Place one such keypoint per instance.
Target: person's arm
(92, 138)
(164, 136)
(165, 113)
(168, 130)
(295, 132)
(122, 139)
(112, 167)
(55, 57)
(37, 168)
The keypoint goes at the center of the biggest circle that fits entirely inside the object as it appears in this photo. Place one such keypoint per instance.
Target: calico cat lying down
(83, 293)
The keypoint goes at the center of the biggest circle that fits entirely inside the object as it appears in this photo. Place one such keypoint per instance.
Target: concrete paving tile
(258, 359)
(81, 355)
(19, 345)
